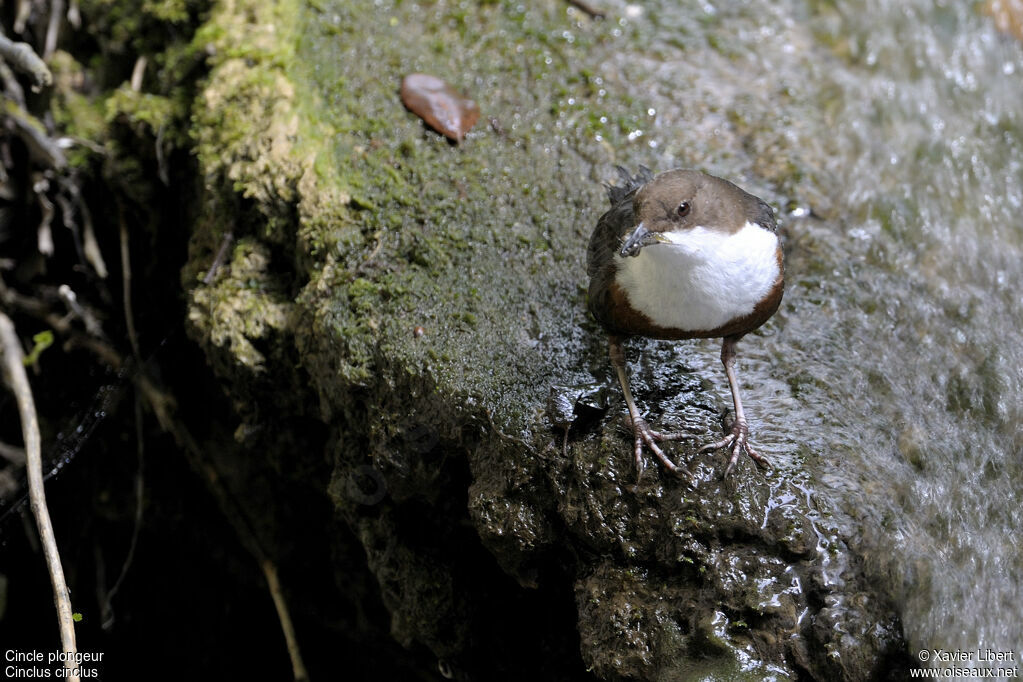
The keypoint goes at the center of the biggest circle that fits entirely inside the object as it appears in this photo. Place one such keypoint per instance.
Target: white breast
(703, 279)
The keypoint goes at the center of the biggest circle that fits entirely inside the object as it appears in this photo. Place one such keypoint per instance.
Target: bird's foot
(736, 442)
(644, 435)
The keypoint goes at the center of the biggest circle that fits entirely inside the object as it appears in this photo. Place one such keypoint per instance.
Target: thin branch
(107, 598)
(72, 208)
(91, 340)
(129, 316)
(33, 134)
(74, 16)
(14, 373)
(8, 486)
(44, 238)
(138, 73)
(161, 162)
(297, 666)
(12, 88)
(163, 406)
(22, 57)
(70, 298)
(32, 306)
(53, 29)
(220, 257)
(22, 14)
(589, 9)
(12, 454)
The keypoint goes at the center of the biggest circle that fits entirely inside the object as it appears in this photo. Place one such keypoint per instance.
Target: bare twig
(71, 205)
(129, 317)
(12, 454)
(220, 257)
(90, 341)
(22, 57)
(588, 9)
(31, 131)
(70, 208)
(68, 141)
(97, 347)
(12, 88)
(8, 486)
(297, 666)
(106, 598)
(53, 29)
(161, 162)
(74, 16)
(70, 298)
(14, 373)
(44, 233)
(163, 406)
(138, 73)
(21, 15)
(31, 306)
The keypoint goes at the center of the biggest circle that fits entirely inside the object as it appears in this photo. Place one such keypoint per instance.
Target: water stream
(892, 376)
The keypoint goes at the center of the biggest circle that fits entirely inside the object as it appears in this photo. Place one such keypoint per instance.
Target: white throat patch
(703, 279)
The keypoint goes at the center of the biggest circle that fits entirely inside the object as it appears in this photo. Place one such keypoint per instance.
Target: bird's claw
(736, 442)
(644, 435)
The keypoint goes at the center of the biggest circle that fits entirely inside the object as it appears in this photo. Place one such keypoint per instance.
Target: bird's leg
(738, 439)
(642, 432)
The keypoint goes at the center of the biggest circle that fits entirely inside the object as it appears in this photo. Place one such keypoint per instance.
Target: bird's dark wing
(606, 240)
(616, 223)
(764, 216)
(607, 235)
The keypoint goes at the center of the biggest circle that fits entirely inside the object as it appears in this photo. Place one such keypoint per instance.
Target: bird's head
(681, 200)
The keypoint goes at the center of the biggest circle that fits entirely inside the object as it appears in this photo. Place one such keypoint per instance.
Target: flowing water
(892, 132)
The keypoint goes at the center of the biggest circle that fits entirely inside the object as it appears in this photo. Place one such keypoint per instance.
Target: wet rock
(568, 406)
(488, 534)
(439, 105)
(561, 406)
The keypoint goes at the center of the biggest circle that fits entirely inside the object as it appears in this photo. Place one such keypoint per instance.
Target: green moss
(75, 113)
(163, 115)
(157, 29)
(244, 309)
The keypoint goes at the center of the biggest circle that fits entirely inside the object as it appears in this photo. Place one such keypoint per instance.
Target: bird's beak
(639, 238)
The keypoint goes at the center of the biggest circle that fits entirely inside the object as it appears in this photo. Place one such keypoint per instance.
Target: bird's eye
(683, 209)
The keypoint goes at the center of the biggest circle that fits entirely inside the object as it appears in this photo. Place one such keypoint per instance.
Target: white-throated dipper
(684, 255)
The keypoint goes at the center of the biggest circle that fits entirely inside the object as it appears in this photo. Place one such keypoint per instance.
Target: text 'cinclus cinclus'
(684, 255)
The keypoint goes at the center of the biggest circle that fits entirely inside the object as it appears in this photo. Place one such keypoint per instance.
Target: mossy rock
(426, 298)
